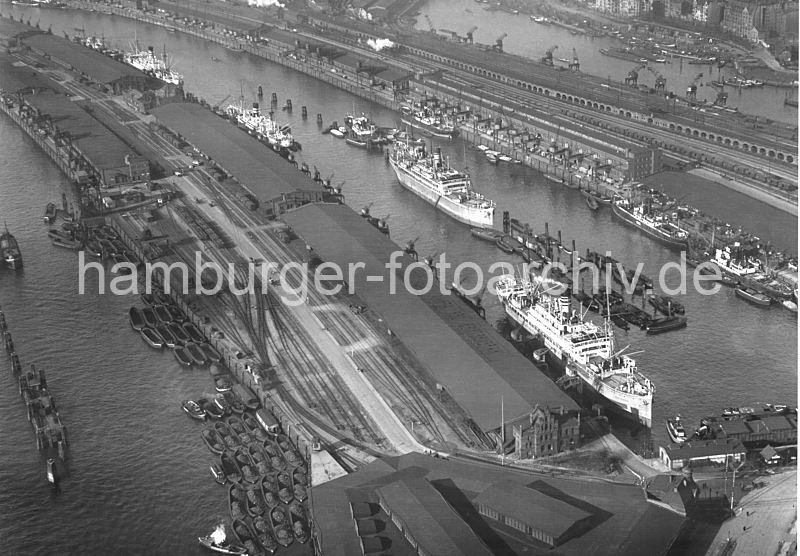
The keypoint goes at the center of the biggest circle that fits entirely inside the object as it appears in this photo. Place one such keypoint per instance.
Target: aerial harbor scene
(373, 277)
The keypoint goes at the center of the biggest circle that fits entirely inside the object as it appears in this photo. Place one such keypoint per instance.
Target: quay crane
(661, 81)
(575, 65)
(469, 38)
(498, 44)
(632, 79)
(691, 90)
(220, 103)
(548, 56)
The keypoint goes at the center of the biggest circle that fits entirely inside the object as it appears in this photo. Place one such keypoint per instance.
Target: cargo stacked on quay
(447, 189)
(585, 350)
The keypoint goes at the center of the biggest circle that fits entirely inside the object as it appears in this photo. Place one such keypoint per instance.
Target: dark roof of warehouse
(258, 168)
(619, 519)
(532, 507)
(17, 77)
(435, 526)
(99, 145)
(96, 65)
(462, 351)
(693, 449)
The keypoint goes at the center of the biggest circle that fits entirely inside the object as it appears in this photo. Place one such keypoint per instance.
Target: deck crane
(632, 78)
(220, 103)
(691, 90)
(661, 81)
(470, 32)
(498, 44)
(575, 65)
(548, 55)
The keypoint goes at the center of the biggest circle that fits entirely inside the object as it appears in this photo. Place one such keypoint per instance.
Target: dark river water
(139, 479)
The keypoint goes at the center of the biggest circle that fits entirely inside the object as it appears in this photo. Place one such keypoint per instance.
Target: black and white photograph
(399, 277)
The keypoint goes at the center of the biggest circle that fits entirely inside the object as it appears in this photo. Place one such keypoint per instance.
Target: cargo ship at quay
(446, 188)
(582, 348)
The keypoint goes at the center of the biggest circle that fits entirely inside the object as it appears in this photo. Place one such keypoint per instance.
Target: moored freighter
(447, 189)
(584, 349)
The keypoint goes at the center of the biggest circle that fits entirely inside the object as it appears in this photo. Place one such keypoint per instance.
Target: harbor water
(139, 481)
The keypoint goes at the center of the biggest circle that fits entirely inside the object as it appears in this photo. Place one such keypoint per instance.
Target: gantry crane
(661, 81)
(575, 65)
(632, 79)
(548, 55)
(691, 90)
(498, 44)
(470, 32)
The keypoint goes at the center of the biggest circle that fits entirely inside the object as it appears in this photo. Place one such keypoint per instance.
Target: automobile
(178, 173)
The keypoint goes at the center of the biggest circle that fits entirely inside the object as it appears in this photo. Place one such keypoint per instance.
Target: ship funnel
(150, 50)
(564, 303)
(437, 157)
(255, 110)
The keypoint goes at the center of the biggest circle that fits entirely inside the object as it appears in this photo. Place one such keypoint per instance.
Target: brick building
(545, 432)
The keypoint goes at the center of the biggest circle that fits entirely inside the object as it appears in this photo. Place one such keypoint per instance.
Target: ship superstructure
(263, 126)
(429, 176)
(151, 64)
(584, 349)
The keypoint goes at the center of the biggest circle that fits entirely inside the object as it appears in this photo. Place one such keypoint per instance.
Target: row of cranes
(632, 79)
(573, 64)
(469, 37)
(691, 92)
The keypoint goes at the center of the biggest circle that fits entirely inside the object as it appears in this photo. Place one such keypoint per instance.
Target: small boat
(337, 132)
(486, 234)
(193, 333)
(212, 410)
(152, 337)
(72, 244)
(540, 355)
(247, 465)
(136, 318)
(282, 532)
(255, 502)
(297, 509)
(504, 158)
(162, 314)
(236, 424)
(222, 384)
(149, 317)
(504, 243)
(263, 533)
(300, 532)
(148, 299)
(218, 542)
(210, 352)
(175, 313)
(228, 463)
(193, 410)
(215, 59)
(675, 429)
(9, 251)
(791, 305)
(222, 404)
(491, 157)
(592, 203)
(182, 356)
(169, 338)
(360, 143)
(213, 440)
(244, 534)
(754, 297)
(285, 495)
(218, 474)
(660, 325)
(300, 492)
(94, 249)
(620, 322)
(50, 213)
(235, 403)
(269, 496)
(180, 334)
(196, 353)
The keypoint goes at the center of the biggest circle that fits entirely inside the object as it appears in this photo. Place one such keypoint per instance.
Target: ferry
(584, 349)
(149, 63)
(447, 189)
(652, 224)
(9, 251)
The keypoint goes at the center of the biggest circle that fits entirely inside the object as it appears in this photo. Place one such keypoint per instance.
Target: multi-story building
(545, 432)
(738, 19)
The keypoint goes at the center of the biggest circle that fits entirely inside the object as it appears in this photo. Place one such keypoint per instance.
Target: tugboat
(50, 213)
(9, 251)
(193, 410)
(675, 429)
(217, 541)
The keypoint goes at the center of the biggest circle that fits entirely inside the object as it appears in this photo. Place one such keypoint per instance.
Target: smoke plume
(380, 44)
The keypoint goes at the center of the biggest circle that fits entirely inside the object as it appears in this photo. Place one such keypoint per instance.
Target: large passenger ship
(584, 349)
(447, 189)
